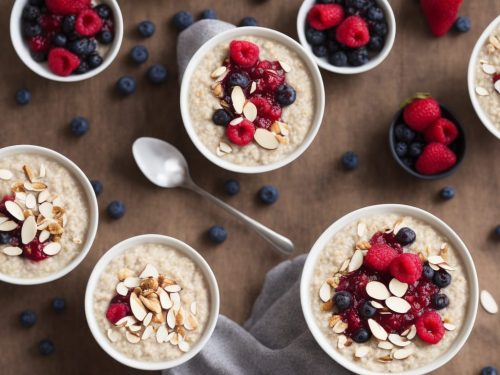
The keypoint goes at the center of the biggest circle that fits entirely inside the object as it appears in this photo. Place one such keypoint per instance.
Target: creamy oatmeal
(383, 351)
(152, 303)
(44, 216)
(283, 137)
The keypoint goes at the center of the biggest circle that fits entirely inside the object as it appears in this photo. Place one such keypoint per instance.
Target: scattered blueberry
(105, 37)
(415, 149)
(489, 370)
(30, 30)
(247, 21)
(342, 300)
(350, 160)
(183, 20)
(441, 278)
(358, 57)
(376, 43)
(146, 29)
(406, 236)
(5, 238)
(440, 301)
(79, 126)
(30, 13)
(361, 335)
(126, 85)
(241, 79)
(447, 193)
(46, 347)
(367, 310)
(286, 95)
(315, 37)
(157, 74)
(497, 231)
(221, 117)
(320, 51)
(28, 318)
(428, 272)
(403, 133)
(208, 14)
(59, 40)
(232, 187)
(116, 209)
(401, 149)
(58, 304)
(338, 58)
(139, 54)
(97, 186)
(217, 234)
(268, 194)
(23, 96)
(94, 60)
(463, 24)
(104, 11)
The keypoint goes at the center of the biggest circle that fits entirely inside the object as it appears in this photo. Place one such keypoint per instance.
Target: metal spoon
(166, 167)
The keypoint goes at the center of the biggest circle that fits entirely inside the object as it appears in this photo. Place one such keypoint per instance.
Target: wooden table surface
(314, 190)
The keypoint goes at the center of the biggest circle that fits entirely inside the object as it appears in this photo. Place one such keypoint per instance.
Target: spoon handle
(279, 242)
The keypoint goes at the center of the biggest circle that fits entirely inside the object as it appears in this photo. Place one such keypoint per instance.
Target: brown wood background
(314, 190)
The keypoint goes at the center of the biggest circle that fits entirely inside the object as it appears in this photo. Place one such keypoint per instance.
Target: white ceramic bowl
(315, 77)
(23, 51)
(323, 63)
(186, 250)
(471, 78)
(92, 204)
(438, 225)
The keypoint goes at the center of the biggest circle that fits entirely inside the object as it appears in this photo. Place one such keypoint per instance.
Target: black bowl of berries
(347, 36)
(66, 40)
(426, 139)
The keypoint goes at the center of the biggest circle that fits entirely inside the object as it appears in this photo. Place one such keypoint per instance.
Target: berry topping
(59, 40)
(221, 117)
(46, 347)
(34, 251)
(242, 133)
(367, 310)
(361, 335)
(435, 158)
(23, 96)
(157, 74)
(28, 318)
(442, 278)
(30, 30)
(117, 311)
(232, 187)
(58, 304)
(139, 54)
(67, 6)
(146, 29)
(442, 131)
(380, 256)
(430, 327)
(62, 62)
(421, 113)
(217, 234)
(440, 14)
(50, 22)
(447, 193)
(353, 32)
(88, 23)
(286, 95)
(325, 16)
(248, 21)
(126, 85)
(79, 126)
(116, 210)
(406, 236)
(182, 20)
(268, 194)
(244, 54)
(5, 238)
(403, 133)
(238, 79)
(428, 272)
(342, 300)
(350, 161)
(440, 301)
(407, 268)
(97, 186)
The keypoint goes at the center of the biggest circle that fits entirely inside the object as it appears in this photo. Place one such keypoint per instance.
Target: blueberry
(497, 231)
(357, 4)
(30, 13)
(462, 24)
(375, 14)
(315, 37)
(79, 126)
(82, 47)
(116, 209)
(320, 51)
(358, 56)
(409, 162)
(325, 1)
(221, 117)
(350, 160)
(286, 95)
(68, 25)
(406, 236)
(379, 28)
(268, 194)
(58, 304)
(139, 54)
(333, 45)
(440, 301)
(126, 85)
(97, 186)
(82, 68)
(447, 193)
(146, 28)
(104, 11)
(59, 40)
(361, 335)
(23, 96)
(37, 3)
(5, 238)
(232, 187)
(441, 278)
(182, 20)
(415, 149)
(239, 79)
(30, 30)
(376, 43)
(46, 347)
(208, 14)
(247, 21)
(401, 149)
(28, 318)
(338, 58)
(428, 272)
(94, 60)
(217, 234)
(39, 56)
(157, 74)
(489, 370)
(367, 310)
(105, 37)
(403, 133)
(342, 300)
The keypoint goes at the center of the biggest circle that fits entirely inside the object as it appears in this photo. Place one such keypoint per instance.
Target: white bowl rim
(316, 79)
(420, 214)
(471, 78)
(391, 23)
(119, 248)
(41, 69)
(93, 210)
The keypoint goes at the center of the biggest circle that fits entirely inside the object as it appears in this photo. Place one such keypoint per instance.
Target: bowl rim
(262, 32)
(186, 250)
(91, 200)
(22, 50)
(377, 60)
(471, 78)
(420, 214)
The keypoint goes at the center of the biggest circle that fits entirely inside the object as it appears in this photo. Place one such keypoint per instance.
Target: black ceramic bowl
(458, 146)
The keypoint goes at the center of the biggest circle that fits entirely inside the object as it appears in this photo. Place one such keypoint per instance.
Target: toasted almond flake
(398, 305)
(183, 346)
(38, 186)
(377, 305)
(341, 341)
(113, 335)
(218, 152)
(165, 300)
(132, 282)
(402, 353)
(446, 267)
(344, 265)
(449, 326)
(179, 317)
(385, 359)
(148, 332)
(356, 261)
(135, 328)
(46, 209)
(147, 319)
(361, 229)
(238, 99)
(121, 289)
(43, 171)
(15, 210)
(171, 318)
(152, 304)
(12, 250)
(325, 292)
(481, 91)
(436, 259)
(236, 121)
(488, 69)
(218, 72)
(137, 307)
(397, 287)
(377, 290)
(176, 300)
(287, 68)
(398, 340)
(253, 87)
(266, 139)
(174, 339)
(43, 196)
(494, 40)
(250, 111)
(126, 321)
(149, 271)
(361, 351)
(488, 302)
(385, 345)
(217, 90)
(340, 327)
(52, 248)
(5, 174)
(497, 86)
(363, 245)
(413, 332)
(161, 334)
(225, 148)
(377, 330)
(28, 230)
(193, 308)
(327, 306)
(131, 338)
(28, 172)
(3, 219)
(333, 320)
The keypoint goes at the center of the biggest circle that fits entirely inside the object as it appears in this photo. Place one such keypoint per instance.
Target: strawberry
(435, 158)
(421, 113)
(244, 54)
(353, 32)
(440, 14)
(325, 16)
(442, 131)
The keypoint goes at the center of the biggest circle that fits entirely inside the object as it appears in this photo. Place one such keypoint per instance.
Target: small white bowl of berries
(347, 36)
(66, 40)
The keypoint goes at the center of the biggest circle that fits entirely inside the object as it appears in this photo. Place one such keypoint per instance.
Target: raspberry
(353, 32)
(421, 113)
(116, 311)
(263, 122)
(34, 251)
(407, 268)
(242, 133)
(380, 256)
(430, 327)
(67, 6)
(442, 131)
(88, 23)
(62, 62)
(263, 105)
(496, 77)
(39, 44)
(50, 22)
(270, 81)
(244, 54)
(435, 158)
(325, 16)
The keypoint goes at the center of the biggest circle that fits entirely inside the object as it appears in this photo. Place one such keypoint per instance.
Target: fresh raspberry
(263, 105)
(325, 16)
(435, 158)
(267, 111)
(430, 327)
(353, 32)
(6, 198)
(441, 131)
(38, 44)
(440, 14)
(379, 257)
(242, 133)
(116, 311)
(244, 54)
(67, 6)
(88, 23)
(263, 122)
(275, 112)
(50, 22)
(496, 77)
(270, 81)
(62, 62)
(407, 268)
(421, 113)
(34, 251)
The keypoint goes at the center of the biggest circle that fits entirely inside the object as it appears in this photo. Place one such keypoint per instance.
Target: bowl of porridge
(48, 215)
(390, 289)
(252, 100)
(484, 77)
(152, 302)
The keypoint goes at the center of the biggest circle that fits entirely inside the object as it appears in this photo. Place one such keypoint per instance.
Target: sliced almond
(225, 148)
(497, 86)
(152, 304)
(30, 201)
(37, 186)
(217, 90)
(161, 334)
(481, 91)
(494, 40)
(250, 111)
(449, 326)
(218, 72)
(149, 271)
(165, 301)
(333, 320)
(325, 292)
(266, 139)
(327, 306)
(113, 335)
(385, 359)
(43, 171)
(435, 259)
(402, 353)
(341, 341)
(488, 69)
(446, 266)
(193, 308)
(148, 332)
(147, 319)
(46, 209)
(135, 328)
(137, 307)
(238, 99)
(236, 121)
(28, 230)
(361, 351)
(377, 305)
(398, 305)
(398, 340)
(397, 287)
(15, 210)
(176, 300)
(43, 196)
(132, 282)
(126, 321)
(253, 87)
(179, 317)
(174, 339)
(385, 345)
(52, 248)
(171, 318)
(173, 288)
(131, 338)
(488, 302)
(28, 172)
(356, 261)
(413, 332)
(183, 346)
(344, 265)
(377, 290)
(121, 289)
(377, 330)
(361, 229)
(3, 219)
(5, 174)
(57, 202)
(340, 327)
(285, 66)
(435, 267)
(12, 251)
